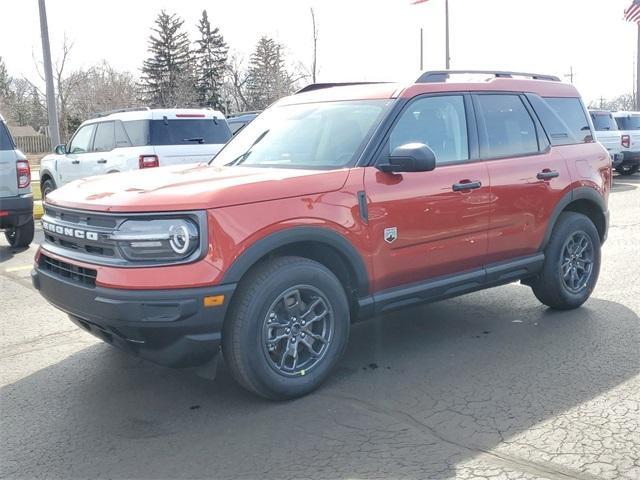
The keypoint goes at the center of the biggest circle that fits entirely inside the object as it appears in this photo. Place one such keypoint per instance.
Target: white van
(132, 139)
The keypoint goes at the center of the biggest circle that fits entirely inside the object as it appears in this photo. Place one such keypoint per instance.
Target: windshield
(630, 122)
(603, 121)
(316, 135)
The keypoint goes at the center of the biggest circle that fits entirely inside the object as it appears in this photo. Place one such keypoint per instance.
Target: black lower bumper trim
(169, 327)
(16, 210)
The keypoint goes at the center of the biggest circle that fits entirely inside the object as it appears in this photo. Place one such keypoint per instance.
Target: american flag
(632, 13)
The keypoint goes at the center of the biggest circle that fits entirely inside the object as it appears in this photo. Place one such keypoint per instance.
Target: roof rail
(121, 110)
(442, 75)
(238, 114)
(319, 86)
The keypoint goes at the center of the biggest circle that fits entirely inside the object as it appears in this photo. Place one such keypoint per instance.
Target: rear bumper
(630, 158)
(16, 211)
(168, 327)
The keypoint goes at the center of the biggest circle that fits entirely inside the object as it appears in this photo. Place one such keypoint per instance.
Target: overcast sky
(359, 39)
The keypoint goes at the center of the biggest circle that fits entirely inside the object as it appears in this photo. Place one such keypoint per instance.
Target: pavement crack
(552, 471)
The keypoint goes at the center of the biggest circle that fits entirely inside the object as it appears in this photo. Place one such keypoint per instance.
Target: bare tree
(234, 88)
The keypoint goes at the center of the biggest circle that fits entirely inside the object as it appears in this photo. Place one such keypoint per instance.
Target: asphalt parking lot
(490, 385)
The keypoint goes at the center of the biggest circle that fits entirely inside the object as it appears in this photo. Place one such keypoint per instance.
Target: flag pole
(446, 14)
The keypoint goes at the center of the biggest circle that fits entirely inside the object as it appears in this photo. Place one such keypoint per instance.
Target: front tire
(47, 187)
(287, 327)
(21, 236)
(572, 263)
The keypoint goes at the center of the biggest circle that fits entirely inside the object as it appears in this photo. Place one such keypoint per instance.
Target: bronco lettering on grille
(70, 232)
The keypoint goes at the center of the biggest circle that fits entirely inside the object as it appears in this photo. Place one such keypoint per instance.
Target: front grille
(74, 273)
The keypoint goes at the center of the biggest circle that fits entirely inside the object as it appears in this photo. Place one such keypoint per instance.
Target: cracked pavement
(488, 386)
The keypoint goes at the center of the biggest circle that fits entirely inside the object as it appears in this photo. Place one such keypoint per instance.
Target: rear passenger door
(423, 225)
(528, 177)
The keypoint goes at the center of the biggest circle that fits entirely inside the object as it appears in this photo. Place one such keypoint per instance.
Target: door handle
(75, 162)
(547, 174)
(466, 185)
(102, 160)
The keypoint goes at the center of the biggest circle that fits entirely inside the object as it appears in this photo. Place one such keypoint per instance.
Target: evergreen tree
(268, 79)
(167, 79)
(5, 80)
(211, 59)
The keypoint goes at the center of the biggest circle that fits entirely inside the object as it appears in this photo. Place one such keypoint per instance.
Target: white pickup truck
(132, 139)
(607, 133)
(629, 127)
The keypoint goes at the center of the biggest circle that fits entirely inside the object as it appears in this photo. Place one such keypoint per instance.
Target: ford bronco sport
(335, 204)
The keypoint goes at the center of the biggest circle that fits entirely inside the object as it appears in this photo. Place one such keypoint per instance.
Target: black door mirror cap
(410, 157)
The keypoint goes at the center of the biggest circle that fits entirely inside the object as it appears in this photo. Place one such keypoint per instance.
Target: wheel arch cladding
(316, 243)
(584, 200)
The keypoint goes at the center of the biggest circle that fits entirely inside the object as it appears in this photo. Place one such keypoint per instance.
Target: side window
(6, 143)
(122, 140)
(104, 139)
(439, 122)
(80, 143)
(509, 130)
(570, 110)
(137, 131)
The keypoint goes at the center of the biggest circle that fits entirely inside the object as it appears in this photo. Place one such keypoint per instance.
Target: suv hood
(192, 187)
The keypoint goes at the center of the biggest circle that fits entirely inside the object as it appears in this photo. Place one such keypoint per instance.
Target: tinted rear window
(572, 113)
(6, 142)
(603, 121)
(189, 132)
(632, 122)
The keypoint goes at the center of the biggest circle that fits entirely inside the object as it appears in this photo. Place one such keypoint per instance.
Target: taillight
(148, 161)
(625, 141)
(23, 172)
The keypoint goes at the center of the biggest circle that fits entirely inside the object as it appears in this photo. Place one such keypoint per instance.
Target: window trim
(113, 141)
(482, 142)
(90, 145)
(381, 153)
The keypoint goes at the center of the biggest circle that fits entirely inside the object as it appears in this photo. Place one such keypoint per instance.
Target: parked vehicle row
(132, 139)
(16, 199)
(619, 133)
(335, 204)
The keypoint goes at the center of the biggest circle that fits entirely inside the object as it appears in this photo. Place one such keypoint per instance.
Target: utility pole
(421, 50)
(446, 15)
(638, 71)
(54, 131)
(601, 102)
(570, 75)
(314, 66)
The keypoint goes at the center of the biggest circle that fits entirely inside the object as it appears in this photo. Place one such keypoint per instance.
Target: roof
(435, 82)
(144, 113)
(624, 113)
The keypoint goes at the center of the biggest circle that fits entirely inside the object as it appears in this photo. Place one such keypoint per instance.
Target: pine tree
(167, 77)
(5, 80)
(210, 59)
(268, 78)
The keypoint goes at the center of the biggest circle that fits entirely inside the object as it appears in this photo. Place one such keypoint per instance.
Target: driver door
(78, 159)
(428, 224)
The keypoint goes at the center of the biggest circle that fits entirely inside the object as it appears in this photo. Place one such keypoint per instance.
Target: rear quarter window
(572, 114)
(137, 131)
(6, 142)
(189, 132)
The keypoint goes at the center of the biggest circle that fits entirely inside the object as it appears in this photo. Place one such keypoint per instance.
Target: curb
(38, 211)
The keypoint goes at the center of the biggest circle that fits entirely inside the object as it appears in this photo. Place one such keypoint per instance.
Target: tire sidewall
(573, 224)
(251, 338)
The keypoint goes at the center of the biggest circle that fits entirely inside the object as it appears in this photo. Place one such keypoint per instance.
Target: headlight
(157, 239)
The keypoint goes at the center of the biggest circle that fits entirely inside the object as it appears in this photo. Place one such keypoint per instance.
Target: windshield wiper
(194, 139)
(241, 158)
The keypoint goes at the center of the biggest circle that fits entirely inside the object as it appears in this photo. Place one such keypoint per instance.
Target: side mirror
(411, 157)
(60, 149)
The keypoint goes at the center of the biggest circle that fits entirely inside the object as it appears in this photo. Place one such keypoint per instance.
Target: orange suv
(336, 203)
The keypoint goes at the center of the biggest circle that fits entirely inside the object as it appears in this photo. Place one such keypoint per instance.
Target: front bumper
(168, 327)
(16, 211)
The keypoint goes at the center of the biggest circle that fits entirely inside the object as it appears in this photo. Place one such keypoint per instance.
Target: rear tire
(22, 236)
(571, 265)
(627, 170)
(271, 330)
